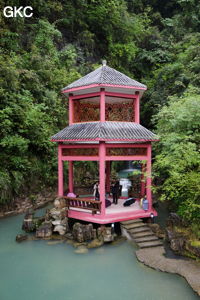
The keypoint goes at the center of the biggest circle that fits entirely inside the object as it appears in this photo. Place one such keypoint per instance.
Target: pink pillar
(102, 105)
(102, 177)
(148, 187)
(108, 176)
(142, 190)
(71, 176)
(71, 109)
(137, 109)
(60, 171)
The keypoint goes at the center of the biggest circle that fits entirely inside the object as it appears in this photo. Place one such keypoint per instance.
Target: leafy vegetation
(178, 159)
(155, 42)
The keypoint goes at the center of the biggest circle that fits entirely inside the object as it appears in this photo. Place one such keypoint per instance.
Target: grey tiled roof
(105, 131)
(105, 75)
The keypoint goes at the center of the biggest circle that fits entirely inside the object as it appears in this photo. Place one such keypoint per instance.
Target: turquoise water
(34, 270)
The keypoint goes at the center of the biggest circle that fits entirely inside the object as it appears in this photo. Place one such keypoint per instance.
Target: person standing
(96, 191)
(115, 191)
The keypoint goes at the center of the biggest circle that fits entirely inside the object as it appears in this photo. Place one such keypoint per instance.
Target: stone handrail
(84, 203)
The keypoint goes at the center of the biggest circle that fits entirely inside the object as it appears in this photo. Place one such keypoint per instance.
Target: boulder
(31, 223)
(21, 237)
(193, 249)
(105, 233)
(54, 213)
(108, 236)
(178, 244)
(170, 234)
(95, 243)
(44, 231)
(28, 224)
(88, 232)
(176, 240)
(159, 232)
(69, 236)
(83, 233)
(173, 220)
(94, 233)
(80, 237)
(58, 214)
(77, 232)
(61, 229)
(59, 203)
(47, 216)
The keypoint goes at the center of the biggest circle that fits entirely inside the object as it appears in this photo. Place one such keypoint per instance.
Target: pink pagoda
(104, 126)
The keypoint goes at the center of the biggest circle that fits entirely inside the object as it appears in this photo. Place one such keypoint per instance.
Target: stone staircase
(141, 233)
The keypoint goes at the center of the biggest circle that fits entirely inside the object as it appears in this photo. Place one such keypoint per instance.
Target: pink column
(148, 181)
(142, 190)
(71, 109)
(137, 109)
(102, 177)
(108, 176)
(71, 177)
(102, 105)
(60, 171)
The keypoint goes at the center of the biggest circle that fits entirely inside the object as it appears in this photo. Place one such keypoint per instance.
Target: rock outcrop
(83, 233)
(21, 237)
(178, 237)
(44, 231)
(56, 221)
(31, 223)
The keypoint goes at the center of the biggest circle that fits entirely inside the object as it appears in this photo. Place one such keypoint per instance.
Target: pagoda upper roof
(105, 131)
(103, 76)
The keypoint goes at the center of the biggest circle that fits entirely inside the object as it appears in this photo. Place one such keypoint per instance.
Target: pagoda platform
(113, 213)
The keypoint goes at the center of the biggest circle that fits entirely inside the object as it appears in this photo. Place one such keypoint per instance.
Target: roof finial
(104, 62)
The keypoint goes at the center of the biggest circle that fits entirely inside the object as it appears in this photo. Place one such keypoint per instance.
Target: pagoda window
(86, 110)
(119, 109)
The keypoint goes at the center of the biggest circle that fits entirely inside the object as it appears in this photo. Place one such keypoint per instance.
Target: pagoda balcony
(113, 213)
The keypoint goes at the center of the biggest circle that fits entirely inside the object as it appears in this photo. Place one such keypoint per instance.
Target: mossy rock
(193, 249)
(95, 243)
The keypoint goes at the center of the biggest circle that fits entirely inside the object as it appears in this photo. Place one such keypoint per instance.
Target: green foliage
(178, 161)
(32, 109)
(155, 42)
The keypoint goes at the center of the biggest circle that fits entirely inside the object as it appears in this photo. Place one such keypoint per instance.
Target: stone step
(142, 234)
(131, 221)
(150, 244)
(134, 225)
(146, 239)
(139, 229)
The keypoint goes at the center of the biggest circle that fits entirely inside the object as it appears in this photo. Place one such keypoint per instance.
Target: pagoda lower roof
(104, 131)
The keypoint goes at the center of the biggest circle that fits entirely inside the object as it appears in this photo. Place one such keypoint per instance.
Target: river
(35, 270)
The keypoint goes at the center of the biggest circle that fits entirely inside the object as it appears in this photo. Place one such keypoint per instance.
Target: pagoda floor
(113, 213)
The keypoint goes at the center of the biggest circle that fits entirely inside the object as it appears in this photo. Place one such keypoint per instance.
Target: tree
(177, 162)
